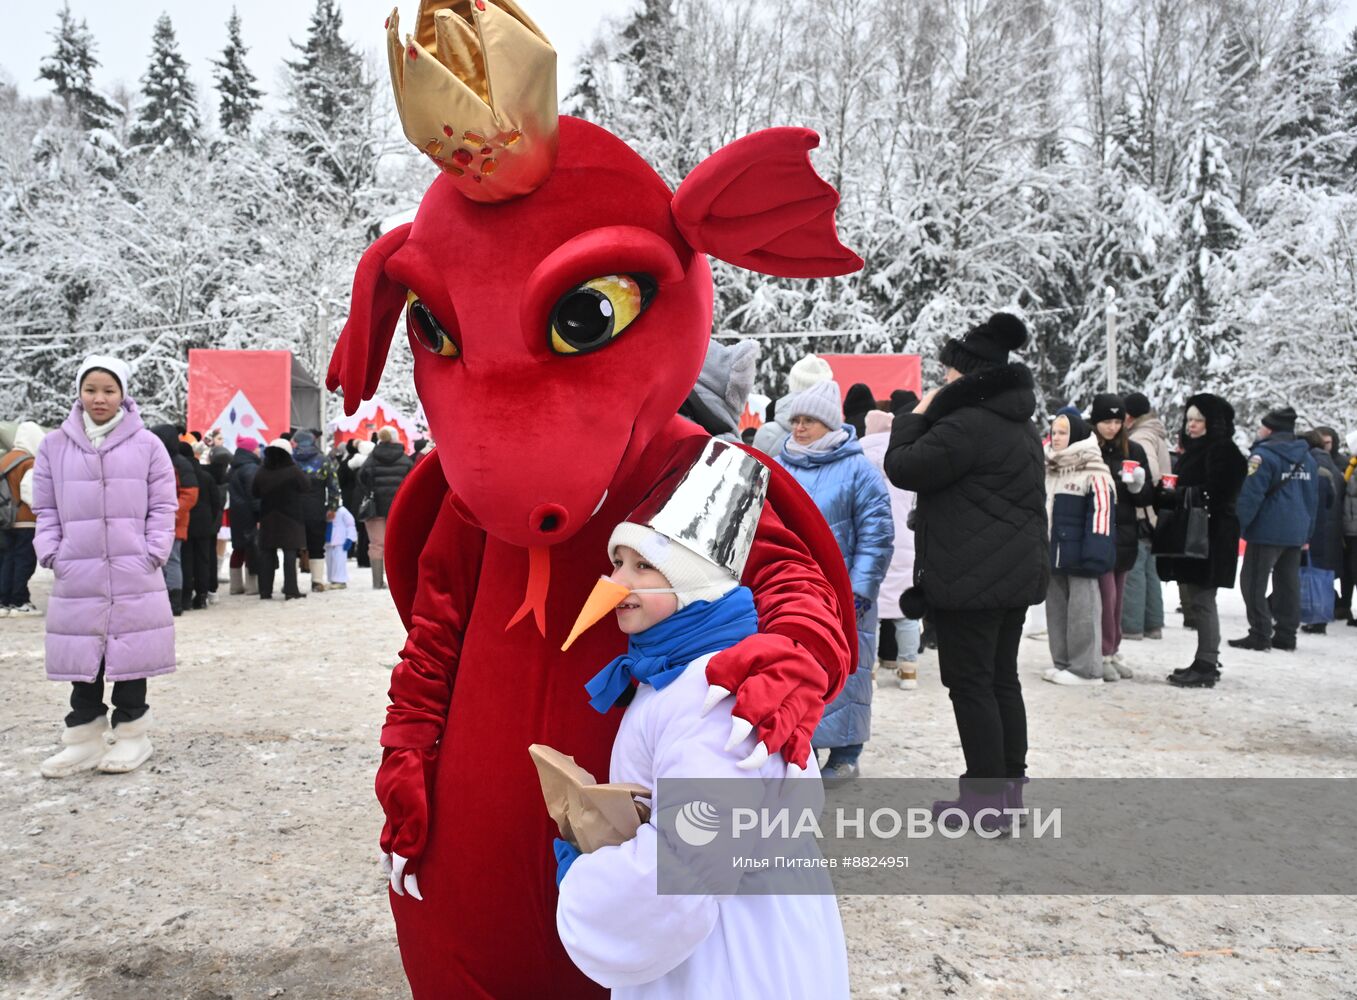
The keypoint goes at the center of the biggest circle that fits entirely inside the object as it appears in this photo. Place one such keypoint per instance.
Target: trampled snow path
(242, 861)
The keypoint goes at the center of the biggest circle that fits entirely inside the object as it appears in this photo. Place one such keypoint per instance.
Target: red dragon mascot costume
(558, 302)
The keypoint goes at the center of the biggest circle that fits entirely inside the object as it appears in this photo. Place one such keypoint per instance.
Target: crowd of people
(957, 512)
(138, 524)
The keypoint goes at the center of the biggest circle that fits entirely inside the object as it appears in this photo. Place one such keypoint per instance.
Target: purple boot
(1013, 796)
(973, 801)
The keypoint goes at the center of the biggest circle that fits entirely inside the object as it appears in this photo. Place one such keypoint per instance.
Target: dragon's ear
(759, 204)
(377, 301)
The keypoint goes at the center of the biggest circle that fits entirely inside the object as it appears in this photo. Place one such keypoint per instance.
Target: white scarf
(1078, 469)
(98, 432)
(819, 446)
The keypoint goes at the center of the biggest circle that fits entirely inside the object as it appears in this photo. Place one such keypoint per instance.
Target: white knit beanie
(693, 576)
(807, 372)
(118, 367)
(821, 401)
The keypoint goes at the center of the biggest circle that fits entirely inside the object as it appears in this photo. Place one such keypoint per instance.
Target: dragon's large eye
(590, 315)
(427, 330)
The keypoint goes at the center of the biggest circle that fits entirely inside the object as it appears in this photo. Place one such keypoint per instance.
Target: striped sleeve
(1101, 495)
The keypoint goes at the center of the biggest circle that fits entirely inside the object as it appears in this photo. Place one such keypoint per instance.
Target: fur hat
(986, 345)
(820, 401)
(1281, 421)
(807, 372)
(1107, 406)
(281, 443)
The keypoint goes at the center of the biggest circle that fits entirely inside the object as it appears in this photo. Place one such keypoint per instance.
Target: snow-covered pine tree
(328, 116)
(1192, 346)
(1346, 100)
(167, 117)
(235, 83)
(70, 69)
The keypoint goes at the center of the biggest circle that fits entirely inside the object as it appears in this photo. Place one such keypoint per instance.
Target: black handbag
(367, 507)
(1185, 531)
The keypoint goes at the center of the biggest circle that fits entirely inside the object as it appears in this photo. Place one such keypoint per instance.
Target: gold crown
(476, 92)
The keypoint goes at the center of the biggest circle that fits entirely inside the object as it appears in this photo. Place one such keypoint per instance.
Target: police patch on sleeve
(1255, 463)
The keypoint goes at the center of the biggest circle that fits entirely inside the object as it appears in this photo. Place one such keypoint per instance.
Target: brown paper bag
(588, 814)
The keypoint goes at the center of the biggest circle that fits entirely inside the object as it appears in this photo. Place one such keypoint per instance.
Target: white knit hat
(119, 368)
(282, 443)
(694, 577)
(821, 401)
(807, 372)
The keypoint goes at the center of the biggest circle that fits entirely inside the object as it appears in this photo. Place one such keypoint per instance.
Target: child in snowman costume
(675, 592)
(341, 535)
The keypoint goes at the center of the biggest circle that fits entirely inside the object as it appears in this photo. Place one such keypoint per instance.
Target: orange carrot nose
(605, 596)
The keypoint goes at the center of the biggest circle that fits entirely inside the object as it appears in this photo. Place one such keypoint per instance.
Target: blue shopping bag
(1316, 594)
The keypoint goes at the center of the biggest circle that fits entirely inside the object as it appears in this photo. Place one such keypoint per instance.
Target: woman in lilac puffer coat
(104, 495)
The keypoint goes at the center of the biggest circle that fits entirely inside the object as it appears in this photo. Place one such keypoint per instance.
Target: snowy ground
(241, 861)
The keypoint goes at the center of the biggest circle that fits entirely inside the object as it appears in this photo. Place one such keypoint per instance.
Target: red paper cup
(1171, 480)
(1129, 465)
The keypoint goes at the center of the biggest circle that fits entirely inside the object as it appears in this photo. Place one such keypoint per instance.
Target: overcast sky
(122, 29)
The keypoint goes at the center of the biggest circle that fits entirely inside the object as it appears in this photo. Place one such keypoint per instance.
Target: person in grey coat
(718, 400)
(824, 456)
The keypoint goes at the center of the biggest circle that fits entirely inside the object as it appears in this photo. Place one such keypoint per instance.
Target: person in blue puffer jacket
(1278, 507)
(824, 456)
(1081, 505)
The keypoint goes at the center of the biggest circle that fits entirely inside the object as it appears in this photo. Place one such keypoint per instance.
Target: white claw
(714, 695)
(397, 872)
(755, 760)
(386, 864)
(739, 729)
(412, 886)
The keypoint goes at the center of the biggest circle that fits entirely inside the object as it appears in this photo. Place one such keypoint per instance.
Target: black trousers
(361, 549)
(268, 566)
(200, 567)
(978, 664)
(87, 701)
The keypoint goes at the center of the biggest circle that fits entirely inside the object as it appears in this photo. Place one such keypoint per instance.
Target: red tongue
(535, 597)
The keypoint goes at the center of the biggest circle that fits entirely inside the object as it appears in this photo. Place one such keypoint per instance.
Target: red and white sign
(882, 373)
(240, 393)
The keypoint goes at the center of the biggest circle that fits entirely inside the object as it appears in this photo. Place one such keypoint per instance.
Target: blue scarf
(659, 654)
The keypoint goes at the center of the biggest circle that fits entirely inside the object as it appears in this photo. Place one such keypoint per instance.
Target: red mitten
(405, 788)
(779, 688)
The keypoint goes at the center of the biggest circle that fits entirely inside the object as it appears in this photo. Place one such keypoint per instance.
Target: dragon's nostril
(548, 519)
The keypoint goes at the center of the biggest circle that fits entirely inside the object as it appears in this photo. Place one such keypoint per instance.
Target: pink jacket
(105, 527)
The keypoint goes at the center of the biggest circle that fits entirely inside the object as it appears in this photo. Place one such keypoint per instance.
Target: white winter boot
(907, 675)
(83, 746)
(251, 584)
(237, 579)
(130, 747)
(318, 576)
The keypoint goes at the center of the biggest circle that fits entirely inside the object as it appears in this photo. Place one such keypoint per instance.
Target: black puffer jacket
(279, 486)
(976, 462)
(1128, 522)
(244, 504)
(205, 516)
(383, 473)
(1215, 468)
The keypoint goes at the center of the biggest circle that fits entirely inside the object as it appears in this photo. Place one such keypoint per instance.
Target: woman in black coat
(1130, 468)
(279, 485)
(243, 505)
(1213, 467)
(973, 456)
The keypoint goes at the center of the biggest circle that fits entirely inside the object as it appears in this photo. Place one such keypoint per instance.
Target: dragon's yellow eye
(590, 315)
(426, 329)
